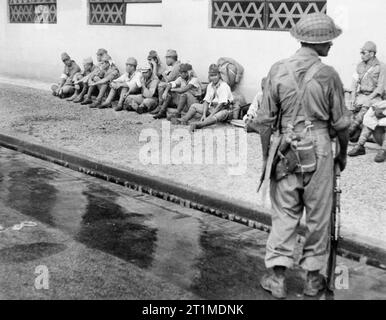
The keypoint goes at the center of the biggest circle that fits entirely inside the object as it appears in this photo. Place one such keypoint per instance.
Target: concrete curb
(351, 246)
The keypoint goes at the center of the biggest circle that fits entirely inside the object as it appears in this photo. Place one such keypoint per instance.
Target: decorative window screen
(262, 14)
(32, 11)
(116, 12)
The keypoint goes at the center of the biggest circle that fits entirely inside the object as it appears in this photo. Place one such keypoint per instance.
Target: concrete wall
(33, 51)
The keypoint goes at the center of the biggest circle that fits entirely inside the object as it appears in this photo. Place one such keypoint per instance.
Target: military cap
(316, 28)
(152, 54)
(88, 61)
(370, 46)
(65, 56)
(132, 62)
(171, 53)
(214, 69)
(101, 52)
(185, 67)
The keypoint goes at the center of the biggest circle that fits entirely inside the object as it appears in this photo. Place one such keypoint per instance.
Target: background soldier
(305, 98)
(368, 87)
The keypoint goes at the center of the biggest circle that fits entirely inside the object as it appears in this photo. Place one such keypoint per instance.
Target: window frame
(125, 3)
(266, 11)
(34, 4)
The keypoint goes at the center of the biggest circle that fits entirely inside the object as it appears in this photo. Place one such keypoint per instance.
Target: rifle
(335, 225)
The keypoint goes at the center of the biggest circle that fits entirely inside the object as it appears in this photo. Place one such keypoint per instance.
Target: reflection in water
(111, 228)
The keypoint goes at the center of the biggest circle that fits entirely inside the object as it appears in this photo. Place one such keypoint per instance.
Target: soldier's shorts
(150, 103)
(290, 196)
(222, 116)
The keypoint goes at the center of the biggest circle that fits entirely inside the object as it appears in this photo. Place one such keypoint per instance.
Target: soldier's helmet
(316, 28)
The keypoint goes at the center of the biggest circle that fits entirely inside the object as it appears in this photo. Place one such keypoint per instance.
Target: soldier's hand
(341, 160)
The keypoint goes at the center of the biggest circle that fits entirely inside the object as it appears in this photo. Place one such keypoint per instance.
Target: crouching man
(128, 83)
(81, 79)
(217, 106)
(66, 87)
(147, 100)
(181, 93)
(374, 123)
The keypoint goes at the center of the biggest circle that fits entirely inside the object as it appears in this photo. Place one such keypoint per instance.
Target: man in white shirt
(128, 83)
(217, 103)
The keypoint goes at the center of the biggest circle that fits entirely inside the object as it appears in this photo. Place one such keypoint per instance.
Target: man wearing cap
(217, 103)
(65, 87)
(96, 74)
(182, 92)
(171, 73)
(369, 83)
(303, 99)
(156, 64)
(128, 83)
(147, 100)
(109, 73)
(81, 78)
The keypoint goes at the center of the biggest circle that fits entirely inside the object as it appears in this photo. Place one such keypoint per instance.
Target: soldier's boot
(275, 284)
(156, 110)
(72, 98)
(162, 114)
(142, 109)
(105, 105)
(381, 156)
(119, 107)
(96, 104)
(358, 150)
(314, 284)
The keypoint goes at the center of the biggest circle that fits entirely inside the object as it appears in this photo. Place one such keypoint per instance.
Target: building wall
(33, 51)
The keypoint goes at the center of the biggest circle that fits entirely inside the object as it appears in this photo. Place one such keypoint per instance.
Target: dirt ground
(114, 138)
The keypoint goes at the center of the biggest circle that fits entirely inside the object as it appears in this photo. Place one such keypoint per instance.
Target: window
(262, 14)
(32, 11)
(125, 12)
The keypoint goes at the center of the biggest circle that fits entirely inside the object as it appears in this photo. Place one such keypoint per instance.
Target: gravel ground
(113, 138)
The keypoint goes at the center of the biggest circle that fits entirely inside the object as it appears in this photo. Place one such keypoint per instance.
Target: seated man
(156, 64)
(368, 87)
(147, 100)
(182, 92)
(109, 73)
(170, 74)
(128, 83)
(251, 115)
(374, 122)
(81, 78)
(97, 72)
(66, 88)
(217, 103)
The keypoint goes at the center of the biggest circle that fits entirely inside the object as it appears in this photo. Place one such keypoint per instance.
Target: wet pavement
(103, 241)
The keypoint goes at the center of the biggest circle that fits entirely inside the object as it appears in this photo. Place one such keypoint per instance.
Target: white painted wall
(33, 51)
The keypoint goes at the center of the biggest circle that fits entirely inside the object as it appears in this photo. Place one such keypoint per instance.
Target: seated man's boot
(156, 110)
(95, 105)
(86, 102)
(314, 284)
(105, 105)
(275, 284)
(381, 156)
(142, 109)
(358, 150)
(119, 107)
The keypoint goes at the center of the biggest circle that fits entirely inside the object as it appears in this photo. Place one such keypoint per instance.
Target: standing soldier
(304, 101)
(368, 88)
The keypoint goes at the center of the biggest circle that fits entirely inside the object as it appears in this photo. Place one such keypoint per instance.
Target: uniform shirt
(220, 93)
(324, 94)
(70, 71)
(172, 72)
(111, 73)
(371, 77)
(132, 81)
(152, 85)
(181, 83)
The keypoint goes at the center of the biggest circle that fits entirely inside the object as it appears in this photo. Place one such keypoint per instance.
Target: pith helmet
(370, 46)
(316, 28)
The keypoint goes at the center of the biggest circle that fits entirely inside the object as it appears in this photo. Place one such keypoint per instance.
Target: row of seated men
(154, 88)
